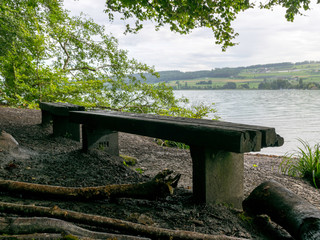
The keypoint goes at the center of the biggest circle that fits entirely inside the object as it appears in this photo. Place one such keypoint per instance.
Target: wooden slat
(216, 134)
(60, 109)
(269, 136)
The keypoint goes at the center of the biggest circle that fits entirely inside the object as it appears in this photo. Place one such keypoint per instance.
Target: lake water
(295, 114)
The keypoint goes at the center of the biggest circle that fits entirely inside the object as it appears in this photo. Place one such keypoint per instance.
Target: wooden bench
(58, 114)
(216, 147)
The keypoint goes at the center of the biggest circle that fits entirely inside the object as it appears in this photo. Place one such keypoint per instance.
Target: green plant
(169, 143)
(102, 146)
(177, 144)
(139, 170)
(67, 135)
(69, 237)
(303, 163)
(245, 217)
(128, 160)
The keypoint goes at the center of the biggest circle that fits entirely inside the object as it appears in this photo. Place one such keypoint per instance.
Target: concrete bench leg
(46, 118)
(64, 128)
(217, 176)
(100, 138)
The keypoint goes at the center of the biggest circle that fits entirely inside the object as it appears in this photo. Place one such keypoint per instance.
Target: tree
(46, 55)
(185, 15)
(230, 85)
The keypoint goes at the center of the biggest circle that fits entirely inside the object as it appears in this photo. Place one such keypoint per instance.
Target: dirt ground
(42, 158)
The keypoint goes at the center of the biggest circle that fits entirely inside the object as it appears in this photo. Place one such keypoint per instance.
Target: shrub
(304, 163)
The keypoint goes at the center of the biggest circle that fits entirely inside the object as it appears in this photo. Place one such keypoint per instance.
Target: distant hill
(167, 76)
(176, 75)
(263, 76)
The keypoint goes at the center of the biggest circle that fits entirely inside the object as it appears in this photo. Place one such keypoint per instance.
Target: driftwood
(293, 213)
(35, 236)
(161, 185)
(47, 226)
(108, 223)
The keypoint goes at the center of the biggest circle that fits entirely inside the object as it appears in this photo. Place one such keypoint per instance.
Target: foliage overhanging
(46, 55)
(185, 15)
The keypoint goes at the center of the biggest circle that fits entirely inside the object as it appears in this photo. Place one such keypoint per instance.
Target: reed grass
(303, 163)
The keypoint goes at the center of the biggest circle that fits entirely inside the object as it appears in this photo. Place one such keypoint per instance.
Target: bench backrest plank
(215, 134)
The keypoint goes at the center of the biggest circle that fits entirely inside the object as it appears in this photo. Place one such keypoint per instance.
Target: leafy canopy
(46, 55)
(185, 15)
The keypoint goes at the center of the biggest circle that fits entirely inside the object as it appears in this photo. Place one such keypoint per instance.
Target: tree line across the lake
(286, 75)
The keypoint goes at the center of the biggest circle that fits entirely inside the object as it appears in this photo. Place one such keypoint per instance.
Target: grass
(173, 144)
(304, 163)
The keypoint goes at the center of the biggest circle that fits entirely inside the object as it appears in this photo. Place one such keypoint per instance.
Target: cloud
(264, 37)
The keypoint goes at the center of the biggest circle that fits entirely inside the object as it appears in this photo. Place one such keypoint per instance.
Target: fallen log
(108, 223)
(161, 185)
(34, 236)
(35, 225)
(296, 215)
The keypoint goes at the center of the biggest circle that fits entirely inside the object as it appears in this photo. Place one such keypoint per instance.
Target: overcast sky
(264, 37)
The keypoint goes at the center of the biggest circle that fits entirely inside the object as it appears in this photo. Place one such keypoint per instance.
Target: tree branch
(66, 61)
(88, 68)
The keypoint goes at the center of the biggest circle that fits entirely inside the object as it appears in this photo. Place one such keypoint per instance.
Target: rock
(7, 142)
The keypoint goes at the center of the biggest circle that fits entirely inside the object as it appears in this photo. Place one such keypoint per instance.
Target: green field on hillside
(203, 83)
(305, 75)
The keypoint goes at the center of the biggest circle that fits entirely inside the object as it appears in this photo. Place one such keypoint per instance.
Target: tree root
(50, 225)
(108, 223)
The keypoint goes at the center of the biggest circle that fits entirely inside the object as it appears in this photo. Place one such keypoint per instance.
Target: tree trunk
(293, 213)
(161, 185)
(35, 225)
(109, 223)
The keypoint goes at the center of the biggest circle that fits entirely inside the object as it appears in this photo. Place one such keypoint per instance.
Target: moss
(244, 217)
(69, 237)
(130, 161)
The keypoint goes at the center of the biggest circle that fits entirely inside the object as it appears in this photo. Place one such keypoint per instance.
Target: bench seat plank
(238, 138)
(269, 136)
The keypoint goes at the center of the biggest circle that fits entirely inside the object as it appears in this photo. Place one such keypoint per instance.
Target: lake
(295, 114)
